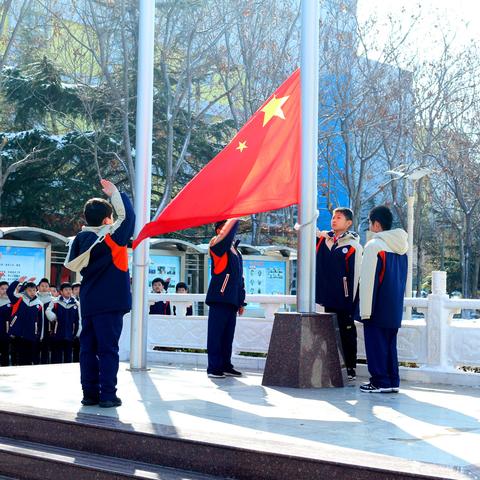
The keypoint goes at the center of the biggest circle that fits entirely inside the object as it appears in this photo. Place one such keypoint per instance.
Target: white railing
(436, 342)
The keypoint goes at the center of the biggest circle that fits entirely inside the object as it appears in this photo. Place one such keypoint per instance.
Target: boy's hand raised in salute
(108, 187)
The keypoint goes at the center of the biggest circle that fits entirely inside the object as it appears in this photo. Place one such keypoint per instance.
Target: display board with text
(262, 277)
(18, 261)
(265, 277)
(162, 266)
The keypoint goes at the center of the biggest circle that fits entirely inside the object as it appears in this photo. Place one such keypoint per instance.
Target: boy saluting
(99, 253)
(27, 321)
(63, 313)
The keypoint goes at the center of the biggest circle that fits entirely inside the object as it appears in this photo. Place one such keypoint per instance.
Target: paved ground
(434, 424)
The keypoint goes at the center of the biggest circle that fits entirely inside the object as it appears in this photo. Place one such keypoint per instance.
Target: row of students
(37, 324)
(163, 307)
(368, 287)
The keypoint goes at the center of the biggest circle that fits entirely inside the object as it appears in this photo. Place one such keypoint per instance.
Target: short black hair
(96, 210)
(65, 285)
(345, 211)
(44, 280)
(157, 280)
(219, 224)
(181, 285)
(76, 284)
(3, 283)
(383, 215)
(29, 285)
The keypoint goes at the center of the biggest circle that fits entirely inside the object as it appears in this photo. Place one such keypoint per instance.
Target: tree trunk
(476, 274)
(467, 255)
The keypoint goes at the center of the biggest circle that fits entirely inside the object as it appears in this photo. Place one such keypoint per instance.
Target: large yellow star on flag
(274, 109)
(242, 146)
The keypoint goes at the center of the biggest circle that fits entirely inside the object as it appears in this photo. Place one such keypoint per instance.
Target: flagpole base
(305, 352)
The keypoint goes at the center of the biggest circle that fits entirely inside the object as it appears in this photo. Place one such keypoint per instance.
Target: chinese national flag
(259, 170)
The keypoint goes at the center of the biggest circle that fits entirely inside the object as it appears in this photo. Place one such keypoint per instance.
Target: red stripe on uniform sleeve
(383, 258)
(320, 240)
(350, 252)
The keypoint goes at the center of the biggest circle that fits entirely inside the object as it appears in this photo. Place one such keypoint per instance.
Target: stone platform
(237, 428)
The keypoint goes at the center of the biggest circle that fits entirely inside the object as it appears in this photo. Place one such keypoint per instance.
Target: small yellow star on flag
(242, 146)
(274, 109)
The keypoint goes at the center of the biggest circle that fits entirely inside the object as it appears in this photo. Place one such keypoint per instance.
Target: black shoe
(215, 375)
(370, 388)
(232, 373)
(116, 402)
(89, 401)
(351, 374)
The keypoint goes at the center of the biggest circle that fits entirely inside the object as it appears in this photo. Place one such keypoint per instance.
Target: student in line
(338, 259)
(383, 278)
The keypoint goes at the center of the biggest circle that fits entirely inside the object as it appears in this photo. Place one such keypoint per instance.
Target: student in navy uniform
(160, 308)
(5, 315)
(76, 340)
(383, 278)
(181, 287)
(338, 259)
(64, 315)
(26, 323)
(99, 253)
(44, 295)
(225, 298)
(76, 291)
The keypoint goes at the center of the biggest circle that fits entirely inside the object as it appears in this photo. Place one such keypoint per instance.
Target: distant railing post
(437, 321)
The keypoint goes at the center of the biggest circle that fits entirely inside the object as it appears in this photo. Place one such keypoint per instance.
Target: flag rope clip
(298, 226)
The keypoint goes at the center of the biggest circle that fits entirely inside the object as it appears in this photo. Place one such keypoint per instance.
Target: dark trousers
(24, 352)
(382, 359)
(4, 352)
(43, 353)
(348, 336)
(222, 319)
(76, 349)
(99, 354)
(62, 351)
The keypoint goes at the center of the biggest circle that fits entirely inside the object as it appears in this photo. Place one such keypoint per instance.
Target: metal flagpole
(308, 202)
(143, 168)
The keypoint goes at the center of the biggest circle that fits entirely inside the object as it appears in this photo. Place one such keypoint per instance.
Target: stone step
(84, 435)
(34, 461)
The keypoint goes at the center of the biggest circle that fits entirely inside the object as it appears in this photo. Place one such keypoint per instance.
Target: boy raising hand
(99, 253)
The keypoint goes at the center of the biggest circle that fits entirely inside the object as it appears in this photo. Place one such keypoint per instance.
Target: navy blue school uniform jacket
(64, 316)
(45, 298)
(27, 315)
(338, 270)
(100, 255)
(5, 316)
(226, 283)
(383, 278)
(160, 308)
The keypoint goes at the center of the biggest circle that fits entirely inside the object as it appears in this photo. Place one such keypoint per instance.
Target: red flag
(259, 170)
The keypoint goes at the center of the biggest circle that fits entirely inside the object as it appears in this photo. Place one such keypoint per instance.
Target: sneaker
(351, 374)
(215, 375)
(89, 401)
(370, 388)
(232, 373)
(116, 402)
(395, 389)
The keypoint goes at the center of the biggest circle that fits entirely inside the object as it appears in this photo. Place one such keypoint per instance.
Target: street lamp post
(413, 177)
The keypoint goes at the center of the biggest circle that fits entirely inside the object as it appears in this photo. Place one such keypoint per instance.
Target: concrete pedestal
(305, 352)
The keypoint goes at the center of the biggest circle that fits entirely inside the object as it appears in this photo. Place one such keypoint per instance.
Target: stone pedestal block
(305, 352)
